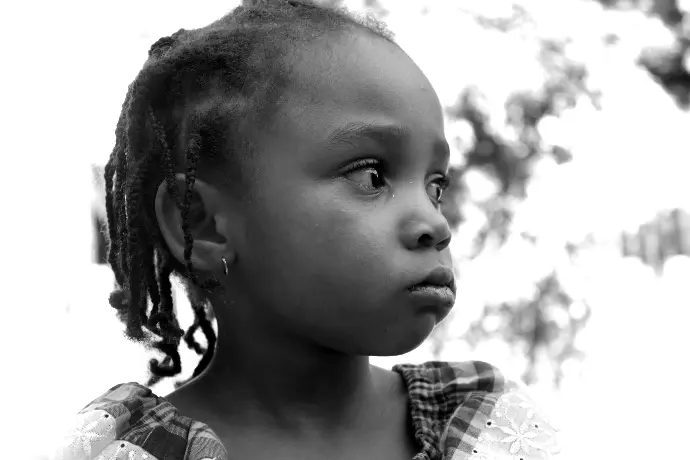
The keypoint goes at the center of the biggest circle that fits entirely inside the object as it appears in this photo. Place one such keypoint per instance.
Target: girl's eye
(367, 174)
(437, 187)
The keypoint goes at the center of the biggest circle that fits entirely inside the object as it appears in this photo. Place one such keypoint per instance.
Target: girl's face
(344, 218)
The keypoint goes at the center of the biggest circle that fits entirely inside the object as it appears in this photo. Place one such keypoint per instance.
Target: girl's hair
(197, 102)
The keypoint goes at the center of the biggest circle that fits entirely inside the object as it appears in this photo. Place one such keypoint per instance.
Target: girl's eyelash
(361, 164)
(443, 181)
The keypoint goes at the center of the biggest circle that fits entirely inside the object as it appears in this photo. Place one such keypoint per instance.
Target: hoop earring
(225, 265)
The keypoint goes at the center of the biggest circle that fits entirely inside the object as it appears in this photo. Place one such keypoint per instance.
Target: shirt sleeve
(499, 426)
(96, 431)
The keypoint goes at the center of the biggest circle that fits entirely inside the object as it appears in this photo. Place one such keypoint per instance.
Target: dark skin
(320, 259)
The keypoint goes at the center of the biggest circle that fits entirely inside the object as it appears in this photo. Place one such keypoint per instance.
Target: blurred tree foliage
(527, 324)
(532, 324)
(655, 241)
(669, 65)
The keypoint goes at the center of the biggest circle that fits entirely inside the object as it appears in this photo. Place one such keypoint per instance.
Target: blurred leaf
(666, 65)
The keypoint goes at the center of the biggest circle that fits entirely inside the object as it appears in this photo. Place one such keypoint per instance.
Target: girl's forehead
(360, 76)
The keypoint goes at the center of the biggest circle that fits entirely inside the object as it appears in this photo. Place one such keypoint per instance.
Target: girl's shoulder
(130, 422)
(469, 410)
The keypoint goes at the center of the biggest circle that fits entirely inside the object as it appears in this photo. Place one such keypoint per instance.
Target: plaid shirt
(459, 411)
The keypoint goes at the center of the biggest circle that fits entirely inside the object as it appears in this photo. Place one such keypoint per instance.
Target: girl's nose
(426, 228)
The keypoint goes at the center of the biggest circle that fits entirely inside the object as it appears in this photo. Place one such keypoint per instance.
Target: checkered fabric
(460, 411)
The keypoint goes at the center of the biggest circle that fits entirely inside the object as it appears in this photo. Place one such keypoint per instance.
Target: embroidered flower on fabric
(81, 439)
(519, 437)
(514, 430)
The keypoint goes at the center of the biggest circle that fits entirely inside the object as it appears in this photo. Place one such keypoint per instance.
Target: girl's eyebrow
(388, 135)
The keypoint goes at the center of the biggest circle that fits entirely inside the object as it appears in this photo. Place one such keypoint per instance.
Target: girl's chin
(406, 341)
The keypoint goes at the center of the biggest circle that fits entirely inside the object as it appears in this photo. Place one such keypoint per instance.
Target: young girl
(288, 162)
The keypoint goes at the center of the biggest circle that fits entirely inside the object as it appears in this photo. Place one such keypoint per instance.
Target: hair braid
(112, 241)
(164, 324)
(192, 160)
(207, 328)
(200, 100)
(189, 335)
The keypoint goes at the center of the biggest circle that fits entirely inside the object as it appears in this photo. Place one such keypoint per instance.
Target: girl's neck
(281, 385)
(289, 385)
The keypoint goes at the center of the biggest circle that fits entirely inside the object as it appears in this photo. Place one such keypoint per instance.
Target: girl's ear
(207, 220)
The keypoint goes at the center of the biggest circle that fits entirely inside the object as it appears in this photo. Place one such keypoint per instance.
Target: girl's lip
(433, 295)
(440, 277)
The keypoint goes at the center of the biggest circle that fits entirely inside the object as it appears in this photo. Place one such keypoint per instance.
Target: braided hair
(195, 108)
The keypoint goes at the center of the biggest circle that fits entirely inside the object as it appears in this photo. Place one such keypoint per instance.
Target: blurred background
(570, 205)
